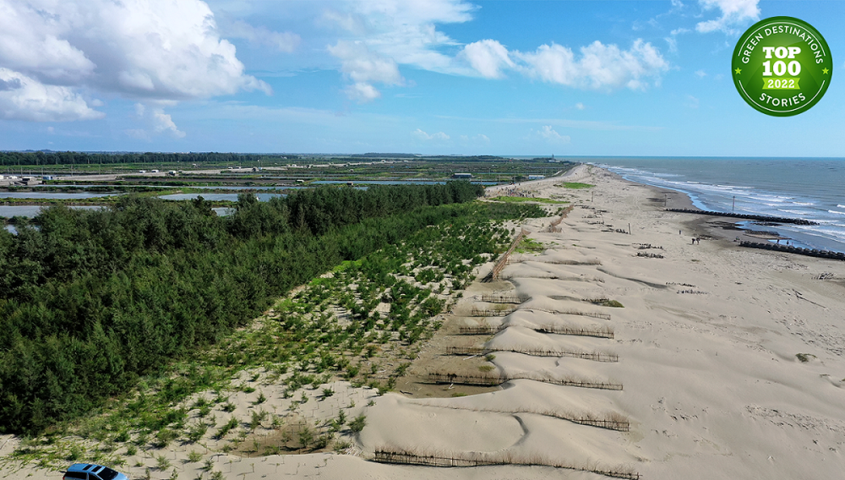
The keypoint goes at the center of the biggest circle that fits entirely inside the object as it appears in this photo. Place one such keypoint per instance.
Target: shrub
(162, 463)
(196, 432)
(358, 423)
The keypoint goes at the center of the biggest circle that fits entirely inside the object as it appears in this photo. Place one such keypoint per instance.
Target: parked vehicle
(90, 471)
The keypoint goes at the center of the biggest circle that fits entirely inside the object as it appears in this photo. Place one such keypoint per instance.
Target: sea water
(809, 189)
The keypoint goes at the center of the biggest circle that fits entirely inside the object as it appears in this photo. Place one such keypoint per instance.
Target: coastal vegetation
(576, 185)
(91, 301)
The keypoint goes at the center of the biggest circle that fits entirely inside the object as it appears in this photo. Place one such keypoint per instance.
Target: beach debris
(649, 255)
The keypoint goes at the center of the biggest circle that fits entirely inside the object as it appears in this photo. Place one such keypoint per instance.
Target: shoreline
(799, 238)
(723, 228)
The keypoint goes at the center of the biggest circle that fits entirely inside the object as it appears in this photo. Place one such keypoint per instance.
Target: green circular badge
(782, 66)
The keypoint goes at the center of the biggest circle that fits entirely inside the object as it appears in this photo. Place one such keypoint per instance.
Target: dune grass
(575, 185)
(528, 245)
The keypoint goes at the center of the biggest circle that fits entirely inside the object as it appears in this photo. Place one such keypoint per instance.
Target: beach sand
(730, 360)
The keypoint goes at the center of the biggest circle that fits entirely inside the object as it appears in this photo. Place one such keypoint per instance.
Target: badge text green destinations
(782, 66)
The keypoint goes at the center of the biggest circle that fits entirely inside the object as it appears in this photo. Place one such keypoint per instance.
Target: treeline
(82, 158)
(90, 300)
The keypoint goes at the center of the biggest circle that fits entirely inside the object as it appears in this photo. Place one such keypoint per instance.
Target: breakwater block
(796, 250)
(745, 216)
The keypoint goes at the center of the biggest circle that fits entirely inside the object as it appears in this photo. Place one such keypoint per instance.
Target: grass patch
(605, 302)
(804, 357)
(528, 245)
(575, 185)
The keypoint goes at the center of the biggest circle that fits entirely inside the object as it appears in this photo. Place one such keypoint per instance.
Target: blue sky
(418, 76)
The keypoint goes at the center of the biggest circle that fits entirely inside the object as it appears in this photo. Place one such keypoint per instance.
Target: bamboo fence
(401, 456)
(599, 332)
(503, 261)
(535, 352)
(492, 380)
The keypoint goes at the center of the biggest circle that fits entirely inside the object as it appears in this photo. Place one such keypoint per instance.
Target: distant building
(536, 177)
(462, 175)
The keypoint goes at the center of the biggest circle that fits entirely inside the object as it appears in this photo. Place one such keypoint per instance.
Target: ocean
(811, 189)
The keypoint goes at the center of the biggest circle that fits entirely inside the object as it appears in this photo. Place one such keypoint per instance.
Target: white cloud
(482, 138)
(156, 120)
(700, 73)
(282, 41)
(580, 106)
(364, 68)
(672, 41)
(550, 135)
(599, 66)
(25, 98)
(691, 102)
(734, 13)
(673, 44)
(377, 37)
(362, 65)
(403, 31)
(144, 49)
(439, 136)
(487, 57)
(362, 92)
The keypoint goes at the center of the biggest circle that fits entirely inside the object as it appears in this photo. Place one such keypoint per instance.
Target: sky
(569, 78)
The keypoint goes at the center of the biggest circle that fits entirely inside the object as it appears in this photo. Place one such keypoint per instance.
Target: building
(465, 176)
(536, 177)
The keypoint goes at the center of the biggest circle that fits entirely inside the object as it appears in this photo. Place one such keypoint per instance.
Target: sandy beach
(713, 362)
